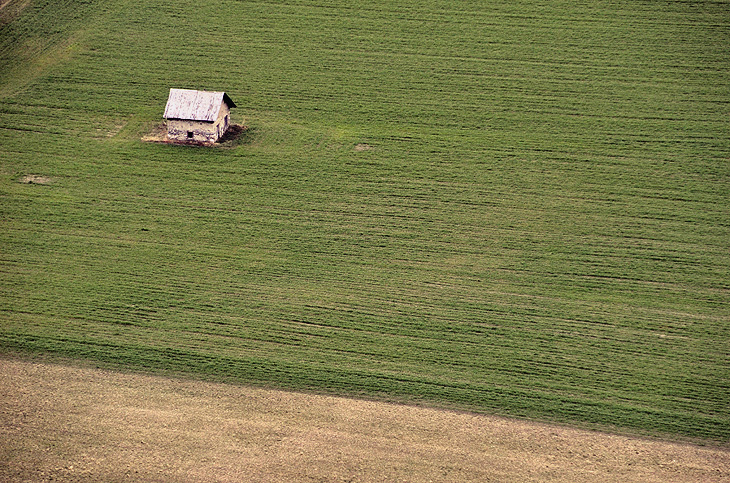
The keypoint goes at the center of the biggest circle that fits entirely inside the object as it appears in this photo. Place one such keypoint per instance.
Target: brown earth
(66, 423)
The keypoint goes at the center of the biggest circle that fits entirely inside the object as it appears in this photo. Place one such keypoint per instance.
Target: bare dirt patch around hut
(235, 134)
(157, 134)
(84, 424)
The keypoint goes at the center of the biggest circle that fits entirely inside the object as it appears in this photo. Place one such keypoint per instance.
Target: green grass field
(494, 206)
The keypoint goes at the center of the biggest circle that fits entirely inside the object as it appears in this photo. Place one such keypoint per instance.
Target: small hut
(197, 116)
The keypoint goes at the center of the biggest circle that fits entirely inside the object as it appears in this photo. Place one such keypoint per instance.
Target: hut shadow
(237, 135)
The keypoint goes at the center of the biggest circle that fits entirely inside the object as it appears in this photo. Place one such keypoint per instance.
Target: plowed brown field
(67, 423)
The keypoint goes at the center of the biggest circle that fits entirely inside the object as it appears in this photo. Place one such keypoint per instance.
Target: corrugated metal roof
(195, 105)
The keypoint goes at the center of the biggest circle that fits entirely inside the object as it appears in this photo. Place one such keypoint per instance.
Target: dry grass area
(66, 423)
(35, 179)
(156, 134)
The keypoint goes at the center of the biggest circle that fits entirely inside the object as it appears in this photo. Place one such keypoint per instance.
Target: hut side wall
(205, 132)
(177, 130)
(223, 121)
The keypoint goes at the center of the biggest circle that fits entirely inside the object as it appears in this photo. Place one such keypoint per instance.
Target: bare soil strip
(82, 424)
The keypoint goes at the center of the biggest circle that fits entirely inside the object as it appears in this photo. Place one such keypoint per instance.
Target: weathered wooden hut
(197, 116)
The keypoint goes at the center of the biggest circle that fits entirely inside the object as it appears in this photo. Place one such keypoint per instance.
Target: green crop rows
(494, 206)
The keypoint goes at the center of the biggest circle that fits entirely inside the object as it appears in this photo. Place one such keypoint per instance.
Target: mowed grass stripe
(519, 401)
